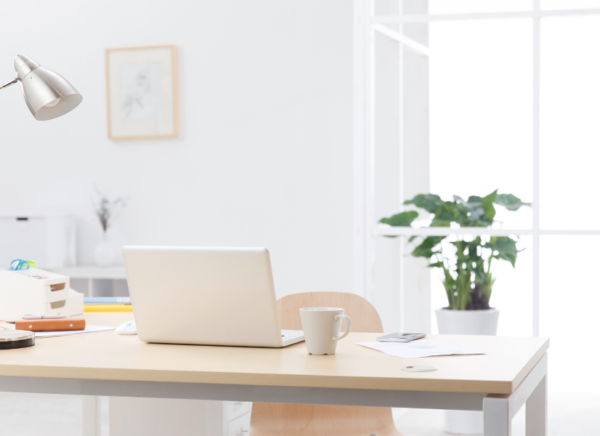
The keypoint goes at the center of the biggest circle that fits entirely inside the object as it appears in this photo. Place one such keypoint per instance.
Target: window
(464, 97)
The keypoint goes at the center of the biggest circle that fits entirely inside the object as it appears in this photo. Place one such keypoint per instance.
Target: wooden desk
(512, 372)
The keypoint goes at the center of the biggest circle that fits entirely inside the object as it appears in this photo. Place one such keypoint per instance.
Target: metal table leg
(498, 410)
(92, 424)
(536, 418)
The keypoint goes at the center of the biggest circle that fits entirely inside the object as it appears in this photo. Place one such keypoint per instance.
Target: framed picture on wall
(141, 92)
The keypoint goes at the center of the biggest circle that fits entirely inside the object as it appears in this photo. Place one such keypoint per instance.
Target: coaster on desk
(11, 339)
(419, 368)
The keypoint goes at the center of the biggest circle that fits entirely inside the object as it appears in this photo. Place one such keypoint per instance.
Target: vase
(466, 322)
(104, 253)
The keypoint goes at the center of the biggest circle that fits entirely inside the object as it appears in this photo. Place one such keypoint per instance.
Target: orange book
(50, 325)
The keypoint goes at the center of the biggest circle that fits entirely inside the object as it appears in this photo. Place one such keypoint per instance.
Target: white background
(264, 156)
(481, 139)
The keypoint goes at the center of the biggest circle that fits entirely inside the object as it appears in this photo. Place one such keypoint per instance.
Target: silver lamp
(48, 95)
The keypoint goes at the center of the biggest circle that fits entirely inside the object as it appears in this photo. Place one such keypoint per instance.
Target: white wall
(264, 153)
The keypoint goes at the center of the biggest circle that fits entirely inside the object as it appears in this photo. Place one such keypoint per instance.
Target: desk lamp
(48, 95)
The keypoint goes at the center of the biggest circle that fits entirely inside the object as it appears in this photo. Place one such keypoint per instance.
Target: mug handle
(348, 326)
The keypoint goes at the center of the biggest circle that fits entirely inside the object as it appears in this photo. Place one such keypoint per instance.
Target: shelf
(92, 272)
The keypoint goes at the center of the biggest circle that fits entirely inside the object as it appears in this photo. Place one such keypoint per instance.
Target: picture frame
(141, 92)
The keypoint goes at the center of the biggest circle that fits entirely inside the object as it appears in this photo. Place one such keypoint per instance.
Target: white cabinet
(238, 427)
(46, 238)
(159, 417)
(236, 418)
(235, 409)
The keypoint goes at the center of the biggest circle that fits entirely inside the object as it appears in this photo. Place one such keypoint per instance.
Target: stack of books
(107, 304)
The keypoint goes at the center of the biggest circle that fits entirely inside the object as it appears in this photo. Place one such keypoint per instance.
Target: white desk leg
(92, 424)
(90, 287)
(536, 410)
(496, 417)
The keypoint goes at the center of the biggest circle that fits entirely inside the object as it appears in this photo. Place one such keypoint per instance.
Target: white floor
(567, 416)
(35, 415)
(60, 415)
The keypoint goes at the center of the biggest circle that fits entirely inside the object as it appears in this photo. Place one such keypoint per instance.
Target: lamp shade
(48, 95)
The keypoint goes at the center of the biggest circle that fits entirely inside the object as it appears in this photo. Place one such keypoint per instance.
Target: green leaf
(473, 214)
(503, 248)
(477, 214)
(510, 202)
(473, 245)
(436, 265)
(446, 213)
(426, 248)
(474, 200)
(488, 205)
(403, 219)
(429, 202)
(457, 199)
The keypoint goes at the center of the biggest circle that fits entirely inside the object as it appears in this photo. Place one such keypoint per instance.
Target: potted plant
(466, 267)
(106, 211)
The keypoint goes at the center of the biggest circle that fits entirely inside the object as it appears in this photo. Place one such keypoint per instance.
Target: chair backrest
(270, 419)
(362, 313)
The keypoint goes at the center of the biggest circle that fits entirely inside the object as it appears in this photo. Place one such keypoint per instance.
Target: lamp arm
(7, 84)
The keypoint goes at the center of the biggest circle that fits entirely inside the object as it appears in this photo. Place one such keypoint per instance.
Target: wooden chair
(307, 420)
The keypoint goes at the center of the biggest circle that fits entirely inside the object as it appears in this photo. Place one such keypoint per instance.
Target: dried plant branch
(107, 210)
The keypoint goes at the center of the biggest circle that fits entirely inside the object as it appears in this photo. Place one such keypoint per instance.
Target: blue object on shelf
(107, 300)
(19, 264)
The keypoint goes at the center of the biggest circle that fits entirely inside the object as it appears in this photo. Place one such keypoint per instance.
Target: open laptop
(205, 296)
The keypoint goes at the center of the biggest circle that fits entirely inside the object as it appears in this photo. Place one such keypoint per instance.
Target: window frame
(366, 25)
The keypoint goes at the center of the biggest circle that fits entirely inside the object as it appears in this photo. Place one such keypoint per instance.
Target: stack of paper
(420, 348)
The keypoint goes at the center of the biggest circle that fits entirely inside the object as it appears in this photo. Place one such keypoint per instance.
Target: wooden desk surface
(108, 356)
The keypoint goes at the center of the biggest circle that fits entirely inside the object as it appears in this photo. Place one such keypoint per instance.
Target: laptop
(205, 296)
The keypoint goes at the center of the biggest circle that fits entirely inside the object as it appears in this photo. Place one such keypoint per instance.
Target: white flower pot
(104, 253)
(466, 322)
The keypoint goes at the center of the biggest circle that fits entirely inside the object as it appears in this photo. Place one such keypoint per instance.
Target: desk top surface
(108, 356)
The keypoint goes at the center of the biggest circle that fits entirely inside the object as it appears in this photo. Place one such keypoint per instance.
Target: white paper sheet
(88, 329)
(419, 348)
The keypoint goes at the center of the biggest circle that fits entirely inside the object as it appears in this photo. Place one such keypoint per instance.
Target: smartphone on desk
(400, 337)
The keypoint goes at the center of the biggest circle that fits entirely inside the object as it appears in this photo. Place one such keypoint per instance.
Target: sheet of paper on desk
(88, 329)
(420, 348)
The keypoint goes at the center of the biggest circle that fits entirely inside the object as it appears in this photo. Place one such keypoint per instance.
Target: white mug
(322, 327)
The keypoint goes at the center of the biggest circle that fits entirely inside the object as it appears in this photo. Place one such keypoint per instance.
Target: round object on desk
(419, 368)
(11, 339)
